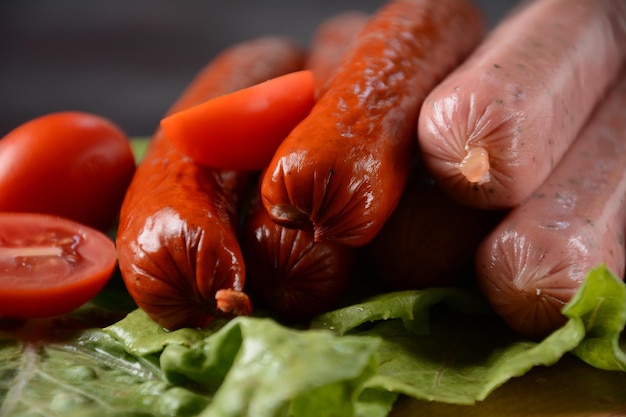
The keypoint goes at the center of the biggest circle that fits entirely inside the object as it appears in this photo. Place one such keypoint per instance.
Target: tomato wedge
(242, 130)
(50, 265)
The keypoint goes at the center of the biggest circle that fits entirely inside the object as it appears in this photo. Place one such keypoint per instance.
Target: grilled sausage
(429, 240)
(290, 274)
(341, 171)
(330, 41)
(537, 257)
(178, 251)
(493, 130)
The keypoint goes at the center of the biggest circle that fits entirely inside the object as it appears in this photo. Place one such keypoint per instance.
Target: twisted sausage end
(233, 302)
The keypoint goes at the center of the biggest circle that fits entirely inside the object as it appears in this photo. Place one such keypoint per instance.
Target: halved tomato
(50, 265)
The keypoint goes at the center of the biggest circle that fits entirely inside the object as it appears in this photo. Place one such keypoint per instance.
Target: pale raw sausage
(537, 257)
(491, 133)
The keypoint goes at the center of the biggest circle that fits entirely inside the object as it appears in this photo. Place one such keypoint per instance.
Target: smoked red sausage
(429, 240)
(290, 274)
(341, 171)
(330, 41)
(537, 257)
(178, 251)
(493, 130)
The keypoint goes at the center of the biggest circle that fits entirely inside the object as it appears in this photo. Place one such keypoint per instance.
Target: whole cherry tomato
(72, 164)
(50, 265)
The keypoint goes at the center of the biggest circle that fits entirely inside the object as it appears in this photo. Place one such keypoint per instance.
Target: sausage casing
(288, 273)
(177, 245)
(342, 170)
(330, 42)
(429, 240)
(536, 258)
(494, 129)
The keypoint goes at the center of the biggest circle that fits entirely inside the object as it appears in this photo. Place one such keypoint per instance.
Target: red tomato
(242, 130)
(71, 164)
(50, 265)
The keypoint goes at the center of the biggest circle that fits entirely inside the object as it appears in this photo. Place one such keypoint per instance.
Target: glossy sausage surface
(341, 171)
(493, 130)
(178, 250)
(331, 40)
(429, 240)
(288, 273)
(537, 257)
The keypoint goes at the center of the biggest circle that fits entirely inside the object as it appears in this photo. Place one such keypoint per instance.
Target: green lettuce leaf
(435, 345)
(142, 336)
(87, 373)
(600, 304)
(139, 146)
(445, 344)
(254, 366)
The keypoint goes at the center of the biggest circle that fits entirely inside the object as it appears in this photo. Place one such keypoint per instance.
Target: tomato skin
(72, 164)
(241, 130)
(35, 281)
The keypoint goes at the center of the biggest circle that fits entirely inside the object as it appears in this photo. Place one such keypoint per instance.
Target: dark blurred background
(129, 59)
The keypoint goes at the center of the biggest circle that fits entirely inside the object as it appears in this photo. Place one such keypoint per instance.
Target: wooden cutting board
(570, 388)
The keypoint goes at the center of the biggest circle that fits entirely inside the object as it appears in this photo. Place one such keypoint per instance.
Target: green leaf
(139, 146)
(444, 344)
(141, 336)
(84, 373)
(412, 307)
(600, 305)
(271, 370)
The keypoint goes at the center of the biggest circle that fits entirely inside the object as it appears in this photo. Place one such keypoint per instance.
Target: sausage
(329, 43)
(177, 245)
(341, 171)
(493, 130)
(534, 261)
(429, 240)
(290, 274)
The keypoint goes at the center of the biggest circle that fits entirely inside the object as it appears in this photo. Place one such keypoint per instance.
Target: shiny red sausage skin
(494, 129)
(429, 240)
(330, 41)
(533, 263)
(290, 274)
(178, 250)
(341, 171)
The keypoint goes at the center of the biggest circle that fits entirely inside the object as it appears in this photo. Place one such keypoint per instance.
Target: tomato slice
(242, 130)
(50, 265)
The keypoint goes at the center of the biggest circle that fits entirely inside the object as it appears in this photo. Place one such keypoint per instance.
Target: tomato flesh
(50, 265)
(243, 129)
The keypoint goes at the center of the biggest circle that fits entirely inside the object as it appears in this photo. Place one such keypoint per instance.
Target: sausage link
(494, 129)
(429, 240)
(341, 171)
(537, 257)
(330, 41)
(178, 251)
(290, 274)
